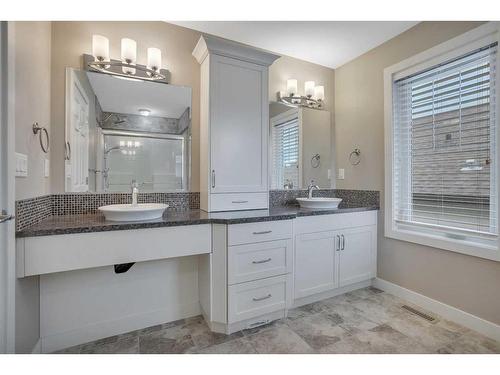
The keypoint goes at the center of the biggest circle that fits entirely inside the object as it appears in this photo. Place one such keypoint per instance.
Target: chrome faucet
(135, 192)
(310, 189)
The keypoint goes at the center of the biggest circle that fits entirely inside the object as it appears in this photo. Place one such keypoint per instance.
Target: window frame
(453, 48)
(289, 115)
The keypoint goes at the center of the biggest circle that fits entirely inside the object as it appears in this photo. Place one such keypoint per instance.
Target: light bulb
(154, 58)
(129, 54)
(100, 48)
(291, 87)
(144, 112)
(309, 88)
(319, 93)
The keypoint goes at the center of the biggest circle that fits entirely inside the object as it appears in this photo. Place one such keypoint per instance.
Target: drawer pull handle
(261, 261)
(239, 202)
(262, 298)
(263, 232)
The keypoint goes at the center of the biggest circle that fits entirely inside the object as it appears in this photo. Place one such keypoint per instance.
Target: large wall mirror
(120, 130)
(300, 147)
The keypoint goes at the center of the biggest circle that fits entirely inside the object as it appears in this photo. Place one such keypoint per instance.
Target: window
(444, 167)
(285, 154)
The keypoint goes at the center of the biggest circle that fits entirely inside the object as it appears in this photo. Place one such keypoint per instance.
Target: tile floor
(363, 321)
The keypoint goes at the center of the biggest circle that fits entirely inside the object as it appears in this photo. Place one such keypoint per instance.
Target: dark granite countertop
(95, 222)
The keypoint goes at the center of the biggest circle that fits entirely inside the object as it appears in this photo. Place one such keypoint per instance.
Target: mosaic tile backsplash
(32, 211)
(351, 197)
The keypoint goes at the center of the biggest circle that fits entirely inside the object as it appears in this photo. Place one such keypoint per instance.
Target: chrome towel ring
(37, 129)
(355, 156)
(315, 161)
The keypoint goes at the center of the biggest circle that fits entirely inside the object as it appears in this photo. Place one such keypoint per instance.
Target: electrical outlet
(341, 174)
(21, 165)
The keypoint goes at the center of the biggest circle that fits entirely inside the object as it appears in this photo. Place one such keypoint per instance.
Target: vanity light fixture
(129, 55)
(127, 66)
(144, 112)
(313, 98)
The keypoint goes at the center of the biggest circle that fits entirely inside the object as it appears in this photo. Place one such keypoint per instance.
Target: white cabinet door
(238, 126)
(357, 255)
(315, 263)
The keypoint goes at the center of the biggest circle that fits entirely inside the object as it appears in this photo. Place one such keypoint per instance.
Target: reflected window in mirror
(285, 150)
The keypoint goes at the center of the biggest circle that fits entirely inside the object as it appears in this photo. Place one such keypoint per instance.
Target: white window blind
(444, 147)
(285, 152)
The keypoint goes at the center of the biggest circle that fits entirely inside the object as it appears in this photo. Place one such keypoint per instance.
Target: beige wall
(71, 39)
(466, 282)
(32, 102)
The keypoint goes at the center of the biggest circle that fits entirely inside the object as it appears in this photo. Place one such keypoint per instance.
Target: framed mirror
(300, 140)
(120, 130)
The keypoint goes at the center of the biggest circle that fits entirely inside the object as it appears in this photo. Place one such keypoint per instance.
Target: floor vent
(419, 313)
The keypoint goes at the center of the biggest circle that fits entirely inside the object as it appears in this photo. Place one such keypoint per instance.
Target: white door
(238, 126)
(77, 136)
(357, 255)
(315, 263)
(7, 197)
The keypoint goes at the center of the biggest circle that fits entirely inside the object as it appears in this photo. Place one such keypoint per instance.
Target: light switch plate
(21, 165)
(46, 167)
(341, 174)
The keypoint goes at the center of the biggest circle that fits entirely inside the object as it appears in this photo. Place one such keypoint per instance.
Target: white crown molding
(213, 45)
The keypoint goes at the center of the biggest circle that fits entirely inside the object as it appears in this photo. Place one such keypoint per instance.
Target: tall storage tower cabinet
(234, 125)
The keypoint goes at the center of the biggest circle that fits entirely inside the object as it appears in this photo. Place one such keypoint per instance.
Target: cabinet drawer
(259, 232)
(257, 261)
(255, 298)
(238, 201)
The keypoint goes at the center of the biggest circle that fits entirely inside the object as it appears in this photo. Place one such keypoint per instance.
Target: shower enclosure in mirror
(120, 129)
(300, 147)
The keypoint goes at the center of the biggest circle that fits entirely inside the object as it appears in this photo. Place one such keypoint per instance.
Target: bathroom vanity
(235, 251)
(239, 269)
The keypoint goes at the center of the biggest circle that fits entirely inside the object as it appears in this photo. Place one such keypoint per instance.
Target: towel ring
(315, 161)
(37, 129)
(354, 156)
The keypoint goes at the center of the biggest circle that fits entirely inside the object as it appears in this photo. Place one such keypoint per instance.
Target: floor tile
(473, 343)
(124, 346)
(279, 340)
(363, 321)
(237, 346)
(319, 330)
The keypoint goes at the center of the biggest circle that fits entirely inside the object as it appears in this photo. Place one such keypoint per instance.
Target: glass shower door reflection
(156, 163)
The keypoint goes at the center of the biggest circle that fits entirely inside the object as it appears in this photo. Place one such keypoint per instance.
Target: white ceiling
(128, 96)
(327, 43)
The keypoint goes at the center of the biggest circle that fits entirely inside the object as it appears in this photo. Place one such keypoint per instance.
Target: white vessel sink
(128, 212)
(319, 203)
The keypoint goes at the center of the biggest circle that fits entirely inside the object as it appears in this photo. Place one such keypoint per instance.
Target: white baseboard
(466, 319)
(37, 349)
(104, 329)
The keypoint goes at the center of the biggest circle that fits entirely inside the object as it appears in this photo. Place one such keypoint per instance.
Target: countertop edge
(28, 232)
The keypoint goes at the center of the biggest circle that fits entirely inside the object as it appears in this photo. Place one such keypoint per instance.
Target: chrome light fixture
(313, 98)
(127, 66)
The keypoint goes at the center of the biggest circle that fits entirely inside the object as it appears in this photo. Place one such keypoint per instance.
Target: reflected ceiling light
(144, 112)
(313, 95)
(127, 66)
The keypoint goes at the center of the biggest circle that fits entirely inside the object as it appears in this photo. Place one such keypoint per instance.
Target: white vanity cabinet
(234, 125)
(246, 281)
(333, 251)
